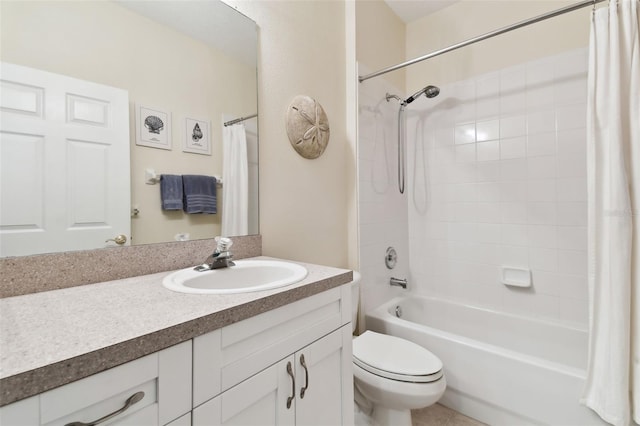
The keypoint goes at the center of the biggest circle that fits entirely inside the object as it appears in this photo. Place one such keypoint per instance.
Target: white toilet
(392, 376)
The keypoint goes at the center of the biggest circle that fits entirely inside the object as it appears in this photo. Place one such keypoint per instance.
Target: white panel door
(64, 162)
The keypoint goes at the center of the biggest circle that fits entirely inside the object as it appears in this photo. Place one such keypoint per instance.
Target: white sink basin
(246, 276)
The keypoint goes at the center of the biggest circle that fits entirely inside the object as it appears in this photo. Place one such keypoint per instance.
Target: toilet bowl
(392, 376)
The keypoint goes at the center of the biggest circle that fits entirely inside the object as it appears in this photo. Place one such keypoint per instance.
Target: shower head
(429, 92)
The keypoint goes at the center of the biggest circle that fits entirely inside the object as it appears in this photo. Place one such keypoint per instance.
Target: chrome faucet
(221, 257)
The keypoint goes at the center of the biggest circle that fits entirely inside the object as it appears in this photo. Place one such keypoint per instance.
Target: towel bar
(153, 178)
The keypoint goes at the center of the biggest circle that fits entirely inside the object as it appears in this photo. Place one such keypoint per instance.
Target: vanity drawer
(225, 357)
(164, 377)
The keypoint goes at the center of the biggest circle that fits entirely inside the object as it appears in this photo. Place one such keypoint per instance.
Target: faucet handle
(224, 244)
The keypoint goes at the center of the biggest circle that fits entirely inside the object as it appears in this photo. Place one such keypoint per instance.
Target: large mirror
(190, 64)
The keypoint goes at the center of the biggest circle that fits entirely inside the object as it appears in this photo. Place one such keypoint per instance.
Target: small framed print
(197, 136)
(153, 127)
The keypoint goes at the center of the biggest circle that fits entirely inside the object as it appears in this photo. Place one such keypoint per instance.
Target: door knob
(119, 239)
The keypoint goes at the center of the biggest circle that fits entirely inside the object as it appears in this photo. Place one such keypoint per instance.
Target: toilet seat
(395, 358)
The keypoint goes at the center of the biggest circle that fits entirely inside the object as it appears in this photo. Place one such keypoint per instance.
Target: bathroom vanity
(280, 356)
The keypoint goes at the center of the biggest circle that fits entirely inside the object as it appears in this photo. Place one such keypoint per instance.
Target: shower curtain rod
(239, 120)
(494, 33)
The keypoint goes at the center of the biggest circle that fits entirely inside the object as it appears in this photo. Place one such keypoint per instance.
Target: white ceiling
(411, 10)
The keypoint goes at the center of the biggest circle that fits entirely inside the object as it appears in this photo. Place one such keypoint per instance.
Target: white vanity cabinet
(161, 382)
(288, 366)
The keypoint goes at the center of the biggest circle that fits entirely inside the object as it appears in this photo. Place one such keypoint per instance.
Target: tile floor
(439, 415)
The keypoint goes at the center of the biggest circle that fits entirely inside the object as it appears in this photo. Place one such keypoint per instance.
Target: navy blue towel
(171, 192)
(199, 194)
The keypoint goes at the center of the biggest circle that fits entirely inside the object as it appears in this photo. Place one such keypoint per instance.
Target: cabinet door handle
(136, 397)
(293, 385)
(306, 376)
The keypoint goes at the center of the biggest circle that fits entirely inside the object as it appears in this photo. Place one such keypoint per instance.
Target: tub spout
(398, 282)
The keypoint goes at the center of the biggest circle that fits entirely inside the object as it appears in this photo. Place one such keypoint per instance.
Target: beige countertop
(52, 338)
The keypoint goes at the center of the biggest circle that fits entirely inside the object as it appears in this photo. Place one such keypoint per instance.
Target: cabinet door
(259, 400)
(325, 381)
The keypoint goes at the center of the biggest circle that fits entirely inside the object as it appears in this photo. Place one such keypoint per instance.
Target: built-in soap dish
(516, 277)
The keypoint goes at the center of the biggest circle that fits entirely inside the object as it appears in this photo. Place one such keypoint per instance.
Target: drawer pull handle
(306, 376)
(293, 387)
(136, 397)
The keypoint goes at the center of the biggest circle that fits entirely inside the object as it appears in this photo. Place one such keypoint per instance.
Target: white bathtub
(501, 369)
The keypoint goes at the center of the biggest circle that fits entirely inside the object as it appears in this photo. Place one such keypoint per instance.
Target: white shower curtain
(235, 178)
(613, 144)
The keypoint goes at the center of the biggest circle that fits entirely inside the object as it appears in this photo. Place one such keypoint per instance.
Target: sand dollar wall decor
(307, 127)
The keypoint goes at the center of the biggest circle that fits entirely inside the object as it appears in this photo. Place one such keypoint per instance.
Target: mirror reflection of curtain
(251, 130)
(235, 181)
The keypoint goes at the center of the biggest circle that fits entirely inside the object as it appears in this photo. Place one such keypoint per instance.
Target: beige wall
(103, 42)
(470, 18)
(303, 203)
(380, 39)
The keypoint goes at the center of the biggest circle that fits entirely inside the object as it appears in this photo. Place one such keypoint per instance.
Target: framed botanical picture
(197, 136)
(153, 127)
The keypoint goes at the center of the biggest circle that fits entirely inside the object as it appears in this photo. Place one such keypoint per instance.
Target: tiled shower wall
(497, 177)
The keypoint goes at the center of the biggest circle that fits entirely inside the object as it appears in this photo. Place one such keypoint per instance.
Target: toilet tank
(355, 297)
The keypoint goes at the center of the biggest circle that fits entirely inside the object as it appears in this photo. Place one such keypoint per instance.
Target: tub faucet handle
(398, 282)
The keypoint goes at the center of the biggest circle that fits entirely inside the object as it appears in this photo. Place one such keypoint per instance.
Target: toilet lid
(395, 358)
